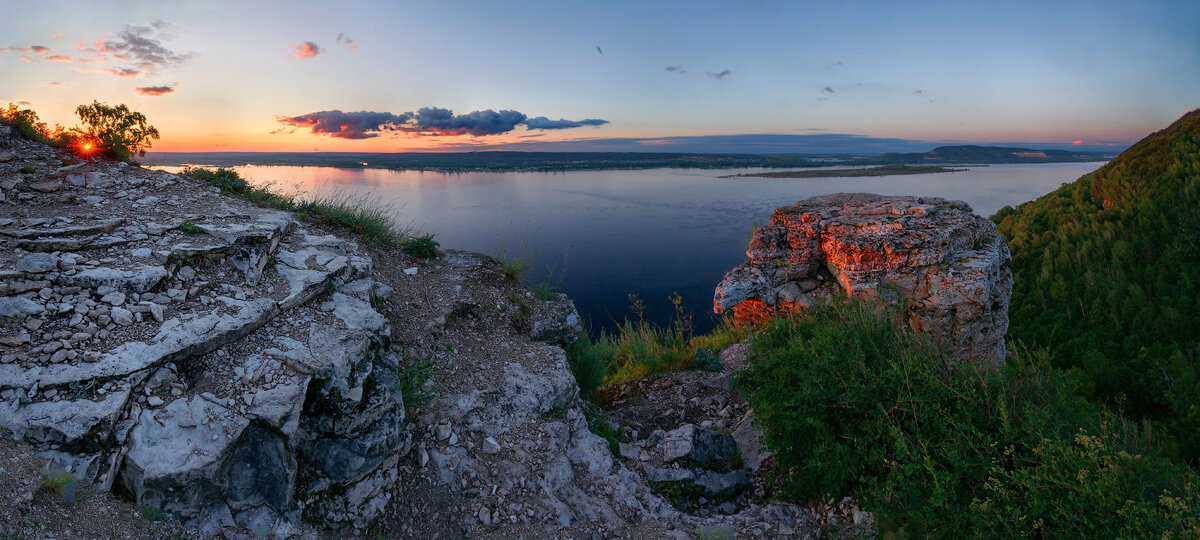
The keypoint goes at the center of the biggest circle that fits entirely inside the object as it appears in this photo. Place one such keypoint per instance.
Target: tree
(117, 130)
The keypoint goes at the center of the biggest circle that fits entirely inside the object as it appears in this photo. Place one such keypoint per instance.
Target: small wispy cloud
(24, 103)
(720, 75)
(542, 122)
(827, 89)
(343, 39)
(675, 69)
(304, 50)
(124, 73)
(156, 90)
(58, 58)
(54, 84)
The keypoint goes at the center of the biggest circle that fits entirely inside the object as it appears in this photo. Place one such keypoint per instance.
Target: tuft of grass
(27, 170)
(545, 291)
(424, 247)
(152, 513)
(359, 213)
(413, 374)
(57, 481)
(188, 227)
(599, 424)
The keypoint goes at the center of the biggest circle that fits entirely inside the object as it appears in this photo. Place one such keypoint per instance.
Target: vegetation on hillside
(110, 131)
(639, 349)
(881, 170)
(852, 404)
(1107, 276)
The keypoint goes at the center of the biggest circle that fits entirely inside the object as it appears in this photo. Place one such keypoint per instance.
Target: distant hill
(1107, 275)
(567, 161)
(992, 154)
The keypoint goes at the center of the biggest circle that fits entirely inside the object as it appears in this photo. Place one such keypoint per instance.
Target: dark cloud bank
(427, 121)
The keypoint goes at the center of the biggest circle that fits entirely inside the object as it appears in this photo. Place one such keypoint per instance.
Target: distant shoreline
(882, 170)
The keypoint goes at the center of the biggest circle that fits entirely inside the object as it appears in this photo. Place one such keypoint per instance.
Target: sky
(765, 77)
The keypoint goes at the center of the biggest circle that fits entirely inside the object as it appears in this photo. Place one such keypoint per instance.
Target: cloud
(155, 90)
(24, 103)
(35, 49)
(343, 39)
(54, 84)
(720, 75)
(827, 89)
(136, 51)
(343, 125)
(124, 73)
(304, 50)
(141, 48)
(542, 122)
(426, 121)
(675, 69)
(599, 50)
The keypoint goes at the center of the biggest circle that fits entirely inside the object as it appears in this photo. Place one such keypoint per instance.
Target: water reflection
(609, 234)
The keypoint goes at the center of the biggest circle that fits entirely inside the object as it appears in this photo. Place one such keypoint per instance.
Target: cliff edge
(947, 265)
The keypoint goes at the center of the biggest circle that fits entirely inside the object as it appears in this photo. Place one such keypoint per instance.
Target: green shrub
(851, 404)
(424, 247)
(27, 170)
(589, 362)
(188, 227)
(707, 360)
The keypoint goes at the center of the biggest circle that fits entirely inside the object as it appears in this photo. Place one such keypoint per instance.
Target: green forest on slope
(1107, 276)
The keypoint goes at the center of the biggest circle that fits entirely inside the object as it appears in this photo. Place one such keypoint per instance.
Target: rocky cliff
(947, 265)
(241, 372)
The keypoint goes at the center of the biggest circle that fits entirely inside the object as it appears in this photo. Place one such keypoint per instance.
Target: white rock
(411, 271)
(121, 316)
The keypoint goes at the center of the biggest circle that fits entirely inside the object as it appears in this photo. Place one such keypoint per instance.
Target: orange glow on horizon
(1077, 141)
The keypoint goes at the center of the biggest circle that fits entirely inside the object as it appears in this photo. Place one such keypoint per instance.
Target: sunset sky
(560, 75)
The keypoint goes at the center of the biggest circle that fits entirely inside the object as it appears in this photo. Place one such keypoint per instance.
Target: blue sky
(1052, 73)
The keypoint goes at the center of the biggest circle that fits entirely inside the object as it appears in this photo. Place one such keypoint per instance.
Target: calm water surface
(601, 236)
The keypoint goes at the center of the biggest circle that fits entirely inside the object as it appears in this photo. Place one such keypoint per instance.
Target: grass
(639, 349)
(151, 513)
(57, 481)
(599, 424)
(27, 170)
(188, 227)
(360, 214)
(413, 374)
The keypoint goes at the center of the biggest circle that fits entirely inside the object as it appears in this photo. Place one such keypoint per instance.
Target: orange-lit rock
(948, 263)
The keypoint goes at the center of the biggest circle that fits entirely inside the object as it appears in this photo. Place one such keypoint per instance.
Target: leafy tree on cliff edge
(118, 130)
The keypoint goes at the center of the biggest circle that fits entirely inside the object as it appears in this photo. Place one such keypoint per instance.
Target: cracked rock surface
(948, 264)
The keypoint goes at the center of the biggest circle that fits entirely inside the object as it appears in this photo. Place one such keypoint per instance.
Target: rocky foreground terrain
(174, 361)
(947, 265)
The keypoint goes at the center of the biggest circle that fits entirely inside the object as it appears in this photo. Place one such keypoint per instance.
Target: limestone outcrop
(948, 265)
(208, 358)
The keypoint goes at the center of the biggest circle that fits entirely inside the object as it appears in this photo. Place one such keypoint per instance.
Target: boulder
(946, 263)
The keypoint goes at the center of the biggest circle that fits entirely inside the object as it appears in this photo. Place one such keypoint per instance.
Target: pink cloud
(304, 50)
(156, 90)
(58, 58)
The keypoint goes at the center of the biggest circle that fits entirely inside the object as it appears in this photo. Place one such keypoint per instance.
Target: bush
(30, 127)
(117, 130)
(707, 360)
(424, 247)
(852, 404)
(361, 214)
